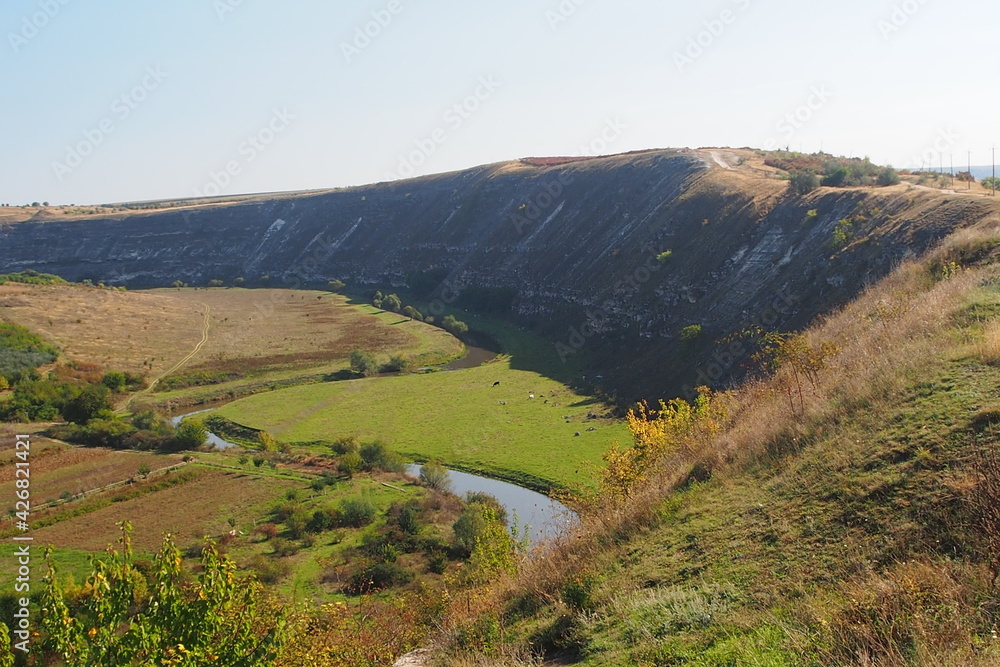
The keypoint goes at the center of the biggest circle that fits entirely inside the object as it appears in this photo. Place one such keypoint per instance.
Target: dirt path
(206, 325)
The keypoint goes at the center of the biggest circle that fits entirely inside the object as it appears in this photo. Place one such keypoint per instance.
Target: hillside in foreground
(841, 510)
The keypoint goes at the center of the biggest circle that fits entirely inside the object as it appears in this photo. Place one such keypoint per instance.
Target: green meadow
(456, 417)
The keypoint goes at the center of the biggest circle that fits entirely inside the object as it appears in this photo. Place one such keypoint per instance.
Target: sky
(125, 100)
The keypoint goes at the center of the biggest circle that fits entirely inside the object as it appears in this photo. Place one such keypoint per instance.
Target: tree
(393, 303)
(991, 182)
(435, 476)
(378, 299)
(803, 182)
(364, 363)
(413, 313)
(336, 285)
(116, 381)
(126, 620)
(469, 527)
(215, 283)
(454, 326)
(190, 435)
(179, 284)
(239, 282)
(88, 404)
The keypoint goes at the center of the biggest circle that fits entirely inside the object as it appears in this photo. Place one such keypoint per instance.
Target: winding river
(538, 517)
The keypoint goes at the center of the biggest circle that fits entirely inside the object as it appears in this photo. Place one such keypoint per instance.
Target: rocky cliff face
(610, 258)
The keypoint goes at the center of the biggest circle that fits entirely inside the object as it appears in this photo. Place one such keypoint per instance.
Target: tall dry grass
(883, 339)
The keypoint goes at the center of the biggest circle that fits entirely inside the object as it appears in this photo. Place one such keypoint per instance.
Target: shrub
(350, 464)
(267, 531)
(376, 456)
(336, 285)
(454, 326)
(408, 520)
(413, 313)
(887, 176)
(90, 402)
(377, 577)
(803, 182)
(322, 521)
(191, 435)
(435, 476)
(115, 381)
(396, 364)
(284, 548)
(357, 512)
(269, 570)
(469, 526)
(212, 614)
(691, 333)
(215, 283)
(345, 445)
(297, 523)
(364, 363)
(393, 303)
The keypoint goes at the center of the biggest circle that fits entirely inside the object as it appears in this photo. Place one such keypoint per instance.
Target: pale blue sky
(229, 70)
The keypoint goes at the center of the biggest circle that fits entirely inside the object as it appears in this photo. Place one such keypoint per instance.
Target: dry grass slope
(845, 527)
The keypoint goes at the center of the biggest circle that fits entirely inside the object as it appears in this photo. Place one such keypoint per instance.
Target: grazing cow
(531, 395)
(497, 383)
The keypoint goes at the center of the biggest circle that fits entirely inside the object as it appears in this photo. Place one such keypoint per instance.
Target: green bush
(803, 182)
(376, 455)
(345, 445)
(454, 326)
(396, 364)
(469, 526)
(364, 363)
(393, 303)
(887, 177)
(409, 519)
(357, 512)
(191, 435)
(350, 464)
(435, 476)
(88, 404)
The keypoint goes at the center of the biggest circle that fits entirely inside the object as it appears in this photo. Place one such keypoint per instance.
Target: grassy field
(216, 493)
(457, 417)
(228, 338)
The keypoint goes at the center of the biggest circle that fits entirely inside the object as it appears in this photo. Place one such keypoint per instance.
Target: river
(539, 517)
